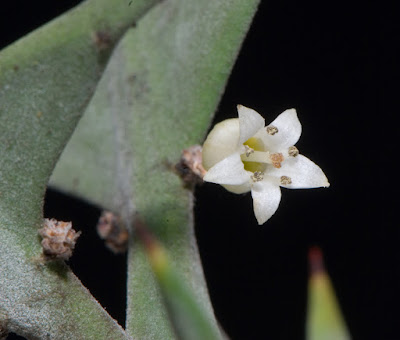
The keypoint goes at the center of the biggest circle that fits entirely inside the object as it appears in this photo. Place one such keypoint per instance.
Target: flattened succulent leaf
(157, 98)
(46, 81)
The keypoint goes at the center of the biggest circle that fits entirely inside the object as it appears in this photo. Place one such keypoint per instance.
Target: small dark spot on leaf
(131, 78)
(103, 40)
(140, 85)
(15, 68)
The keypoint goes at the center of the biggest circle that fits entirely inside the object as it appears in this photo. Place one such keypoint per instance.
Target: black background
(337, 64)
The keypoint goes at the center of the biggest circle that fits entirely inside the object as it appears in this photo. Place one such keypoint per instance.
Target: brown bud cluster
(190, 166)
(110, 228)
(58, 239)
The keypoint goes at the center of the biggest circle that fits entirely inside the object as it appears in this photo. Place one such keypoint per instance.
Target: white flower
(243, 155)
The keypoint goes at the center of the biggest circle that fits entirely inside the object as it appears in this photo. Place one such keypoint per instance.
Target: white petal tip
(322, 184)
(266, 198)
(250, 121)
(325, 183)
(262, 219)
(291, 112)
(206, 178)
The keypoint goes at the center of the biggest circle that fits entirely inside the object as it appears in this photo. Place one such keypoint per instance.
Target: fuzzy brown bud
(111, 229)
(190, 166)
(59, 239)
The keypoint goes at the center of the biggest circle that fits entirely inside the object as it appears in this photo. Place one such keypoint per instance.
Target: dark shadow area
(13, 336)
(18, 18)
(101, 271)
(337, 64)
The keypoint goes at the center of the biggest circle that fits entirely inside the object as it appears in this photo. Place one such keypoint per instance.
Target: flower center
(253, 145)
(255, 158)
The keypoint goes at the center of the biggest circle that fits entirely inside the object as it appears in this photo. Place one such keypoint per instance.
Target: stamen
(285, 180)
(277, 159)
(293, 151)
(257, 176)
(248, 150)
(271, 130)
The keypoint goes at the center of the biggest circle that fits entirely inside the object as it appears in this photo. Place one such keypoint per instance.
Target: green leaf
(188, 318)
(157, 97)
(324, 320)
(46, 81)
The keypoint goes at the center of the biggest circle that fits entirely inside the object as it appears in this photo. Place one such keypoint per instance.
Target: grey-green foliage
(46, 80)
(157, 96)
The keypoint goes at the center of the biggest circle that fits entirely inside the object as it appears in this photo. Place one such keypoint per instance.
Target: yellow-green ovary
(257, 145)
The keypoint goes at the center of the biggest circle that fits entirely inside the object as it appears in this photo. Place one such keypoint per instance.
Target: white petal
(289, 131)
(302, 172)
(229, 171)
(266, 198)
(221, 142)
(238, 189)
(249, 122)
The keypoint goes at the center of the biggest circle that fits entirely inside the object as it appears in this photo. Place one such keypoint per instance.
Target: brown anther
(111, 229)
(271, 130)
(277, 159)
(190, 167)
(248, 150)
(285, 180)
(59, 239)
(293, 151)
(257, 176)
